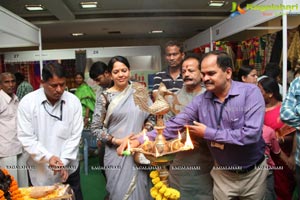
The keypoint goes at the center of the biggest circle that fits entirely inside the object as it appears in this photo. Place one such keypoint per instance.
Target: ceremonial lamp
(159, 152)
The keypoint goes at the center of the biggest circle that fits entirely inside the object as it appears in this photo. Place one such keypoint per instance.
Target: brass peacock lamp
(159, 152)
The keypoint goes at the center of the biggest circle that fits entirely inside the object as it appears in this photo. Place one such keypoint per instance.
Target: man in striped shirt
(171, 76)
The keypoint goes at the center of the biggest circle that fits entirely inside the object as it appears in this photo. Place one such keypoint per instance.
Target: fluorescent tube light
(90, 4)
(216, 3)
(156, 31)
(77, 34)
(34, 7)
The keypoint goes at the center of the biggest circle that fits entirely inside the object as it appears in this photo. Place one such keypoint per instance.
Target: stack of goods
(160, 191)
(9, 189)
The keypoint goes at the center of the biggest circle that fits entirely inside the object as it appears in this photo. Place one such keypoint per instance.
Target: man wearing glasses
(49, 128)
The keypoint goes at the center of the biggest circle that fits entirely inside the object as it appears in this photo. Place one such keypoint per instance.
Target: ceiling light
(216, 3)
(77, 34)
(156, 31)
(34, 7)
(89, 4)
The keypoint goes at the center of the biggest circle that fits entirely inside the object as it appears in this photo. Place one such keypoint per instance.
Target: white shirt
(9, 143)
(43, 135)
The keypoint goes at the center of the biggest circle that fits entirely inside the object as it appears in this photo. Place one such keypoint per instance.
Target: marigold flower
(159, 184)
(154, 174)
(153, 192)
(155, 180)
(163, 189)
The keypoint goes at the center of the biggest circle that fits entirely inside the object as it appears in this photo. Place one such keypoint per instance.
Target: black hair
(193, 56)
(297, 71)
(272, 70)
(53, 69)
(117, 59)
(244, 71)
(79, 73)
(174, 43)
(97, 69)
(270, 85)
(19, 77)
(223, 59)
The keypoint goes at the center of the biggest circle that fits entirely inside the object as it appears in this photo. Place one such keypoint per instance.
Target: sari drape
(87, 98)
(124, 180)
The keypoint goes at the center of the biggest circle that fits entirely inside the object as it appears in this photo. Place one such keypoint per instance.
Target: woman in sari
(248, 74)
(283, 177)
(116, 119)
(86, 96)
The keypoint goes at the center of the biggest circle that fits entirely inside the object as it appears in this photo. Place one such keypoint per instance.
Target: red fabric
(272, 118)
(284, 177)
(36, 81)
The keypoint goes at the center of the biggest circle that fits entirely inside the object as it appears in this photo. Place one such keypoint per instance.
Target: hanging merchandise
(270, 40)
(277, 48)
(239, 56)
(69, 65)
(294, 49)
(36, 80)
(230, 52)
(203, 49)
(259, 57)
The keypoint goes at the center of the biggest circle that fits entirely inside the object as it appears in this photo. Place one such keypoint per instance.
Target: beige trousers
(248, 186)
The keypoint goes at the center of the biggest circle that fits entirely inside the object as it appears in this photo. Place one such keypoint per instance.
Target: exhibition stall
(236, 24)
(17, 32)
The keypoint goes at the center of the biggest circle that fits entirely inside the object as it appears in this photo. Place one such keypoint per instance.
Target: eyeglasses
(61, 111)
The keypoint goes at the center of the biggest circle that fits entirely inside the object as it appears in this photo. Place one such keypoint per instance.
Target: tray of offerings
(55, 192)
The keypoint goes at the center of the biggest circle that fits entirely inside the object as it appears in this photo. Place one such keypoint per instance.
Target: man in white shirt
(11, 156)
(49, 127)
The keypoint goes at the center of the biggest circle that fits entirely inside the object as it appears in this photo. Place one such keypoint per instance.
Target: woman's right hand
(133, 144)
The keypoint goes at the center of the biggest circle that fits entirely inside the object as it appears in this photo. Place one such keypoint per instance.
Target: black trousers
(74, 181)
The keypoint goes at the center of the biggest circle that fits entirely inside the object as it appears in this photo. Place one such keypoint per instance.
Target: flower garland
(160, 191)
(12, 192)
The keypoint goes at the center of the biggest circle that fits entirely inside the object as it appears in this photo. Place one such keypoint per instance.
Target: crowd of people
(246, 138)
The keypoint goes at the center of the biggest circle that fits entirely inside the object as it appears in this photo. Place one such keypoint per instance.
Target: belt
(248, 169)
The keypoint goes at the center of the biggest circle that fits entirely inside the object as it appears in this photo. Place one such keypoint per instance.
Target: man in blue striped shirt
(290, 114)
(171, 76)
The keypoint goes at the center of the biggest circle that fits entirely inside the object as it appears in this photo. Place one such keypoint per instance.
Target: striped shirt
(164, 76)
(290, 112)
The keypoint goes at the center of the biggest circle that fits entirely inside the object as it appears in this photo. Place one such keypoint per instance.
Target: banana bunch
(160, 191)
